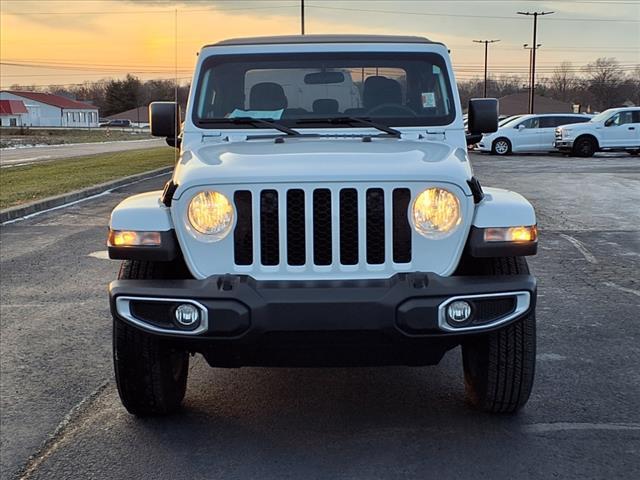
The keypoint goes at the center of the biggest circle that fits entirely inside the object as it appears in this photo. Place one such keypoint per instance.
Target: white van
(528, 133)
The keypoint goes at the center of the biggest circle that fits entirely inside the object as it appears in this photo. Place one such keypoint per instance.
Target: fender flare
(143, 212)
(503, 208)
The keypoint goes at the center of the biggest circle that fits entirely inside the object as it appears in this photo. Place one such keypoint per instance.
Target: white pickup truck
(616, 129)
(331, 221)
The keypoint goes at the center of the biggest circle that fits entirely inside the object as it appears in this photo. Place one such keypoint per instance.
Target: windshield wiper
(351, 120)
(267, 122)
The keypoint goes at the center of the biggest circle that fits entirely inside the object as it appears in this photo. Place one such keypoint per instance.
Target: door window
(550, 122)
(530, 123)
(621, 118)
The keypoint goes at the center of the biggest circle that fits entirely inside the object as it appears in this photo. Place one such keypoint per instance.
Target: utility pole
(302, 16)
(527, 47)
(486, 54)
(532, 86)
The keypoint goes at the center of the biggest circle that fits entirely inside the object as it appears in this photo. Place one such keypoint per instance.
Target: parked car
(117, 123)
(528, 133)
(616, 129)
(300, 231)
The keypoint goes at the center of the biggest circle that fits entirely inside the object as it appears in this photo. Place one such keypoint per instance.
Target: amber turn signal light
(511, 234)
(132, 238)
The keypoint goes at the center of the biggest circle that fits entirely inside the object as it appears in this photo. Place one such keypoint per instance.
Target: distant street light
(486, 50)
(527, 47)
(532, 82)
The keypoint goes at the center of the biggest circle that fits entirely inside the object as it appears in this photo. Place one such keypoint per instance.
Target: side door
(619, 130)
(525, 137)
(547, 132)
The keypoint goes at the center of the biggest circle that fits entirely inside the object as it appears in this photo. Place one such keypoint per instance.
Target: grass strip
(33, 182)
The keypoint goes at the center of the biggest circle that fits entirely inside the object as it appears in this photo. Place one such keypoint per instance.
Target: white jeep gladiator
(616, 129)
(323, 212)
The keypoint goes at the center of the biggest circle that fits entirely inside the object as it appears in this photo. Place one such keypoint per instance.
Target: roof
(140, 114)
(282, 39)
(12, 107)
(518, 103)
(55, 100)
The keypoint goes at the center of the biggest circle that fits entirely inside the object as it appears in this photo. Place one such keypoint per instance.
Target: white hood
(299, 160)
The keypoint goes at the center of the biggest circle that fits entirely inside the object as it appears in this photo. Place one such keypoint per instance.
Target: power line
(497, 17)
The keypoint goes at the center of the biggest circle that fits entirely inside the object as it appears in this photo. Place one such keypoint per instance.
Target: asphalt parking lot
(61, 417)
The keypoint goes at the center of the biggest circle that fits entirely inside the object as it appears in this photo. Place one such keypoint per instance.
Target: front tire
(151, 373)
(501, 146)
(499, 367)
(585, 147)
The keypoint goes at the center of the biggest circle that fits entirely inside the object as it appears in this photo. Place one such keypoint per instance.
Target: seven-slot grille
(322, 226)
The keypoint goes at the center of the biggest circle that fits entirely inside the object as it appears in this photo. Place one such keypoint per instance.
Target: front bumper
(399, 320)
(563, 144)
(484, 145)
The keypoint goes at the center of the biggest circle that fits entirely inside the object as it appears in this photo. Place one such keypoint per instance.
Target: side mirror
(608, 123)
(483, 115)
(164, 121)
(521, 126)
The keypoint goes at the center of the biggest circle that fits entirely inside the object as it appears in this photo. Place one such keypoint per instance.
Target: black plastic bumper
(390, 321)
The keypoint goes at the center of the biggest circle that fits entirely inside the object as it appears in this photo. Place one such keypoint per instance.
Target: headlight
(436, 213)
(210, 213)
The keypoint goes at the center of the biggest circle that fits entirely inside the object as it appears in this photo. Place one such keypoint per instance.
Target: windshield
(602, 116)
(512, 121)
(508, 120)
(293, 89)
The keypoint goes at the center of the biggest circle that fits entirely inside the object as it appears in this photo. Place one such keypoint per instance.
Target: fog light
(187, 315)
(459, 311)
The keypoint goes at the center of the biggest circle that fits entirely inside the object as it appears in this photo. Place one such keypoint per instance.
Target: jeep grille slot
(349, 226)
(295, 227)
(243, 233)
(375, 226)
(322, 252)
(401, 227)
(269, 238)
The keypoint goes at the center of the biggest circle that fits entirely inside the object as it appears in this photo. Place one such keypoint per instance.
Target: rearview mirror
(164, 121)
(483, 115)
(323, 78)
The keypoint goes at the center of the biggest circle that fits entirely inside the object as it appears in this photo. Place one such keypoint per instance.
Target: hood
(316, 160)
(581, 125)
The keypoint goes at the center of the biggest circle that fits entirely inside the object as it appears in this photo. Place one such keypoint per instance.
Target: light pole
(533, 55)
(302, 16)
(486, 52)
(527, 47)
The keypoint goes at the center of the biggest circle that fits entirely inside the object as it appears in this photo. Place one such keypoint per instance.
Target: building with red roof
(39, 109)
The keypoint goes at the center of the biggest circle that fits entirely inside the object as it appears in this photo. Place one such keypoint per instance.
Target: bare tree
(603, 79)
(562, 81)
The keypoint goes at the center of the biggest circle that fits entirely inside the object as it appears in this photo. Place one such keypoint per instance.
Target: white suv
(616, 129)
(323, 212)
(527, 133)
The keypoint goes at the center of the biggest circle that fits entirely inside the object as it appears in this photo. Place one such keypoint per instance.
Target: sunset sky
(67, 42)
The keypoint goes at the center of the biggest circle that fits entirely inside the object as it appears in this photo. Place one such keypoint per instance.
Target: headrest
(380, 90)
(325, 105)
(267, 96)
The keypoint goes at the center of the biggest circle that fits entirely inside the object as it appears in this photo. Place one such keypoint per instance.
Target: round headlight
(211, 213)
(436, 213)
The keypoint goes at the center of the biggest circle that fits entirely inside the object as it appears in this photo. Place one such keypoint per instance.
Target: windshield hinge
(439, 134)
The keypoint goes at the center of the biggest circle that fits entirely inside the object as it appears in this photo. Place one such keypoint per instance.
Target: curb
(37, 206)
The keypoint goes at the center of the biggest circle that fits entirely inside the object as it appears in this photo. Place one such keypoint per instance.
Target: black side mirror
(165, 120)
(483, 115)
